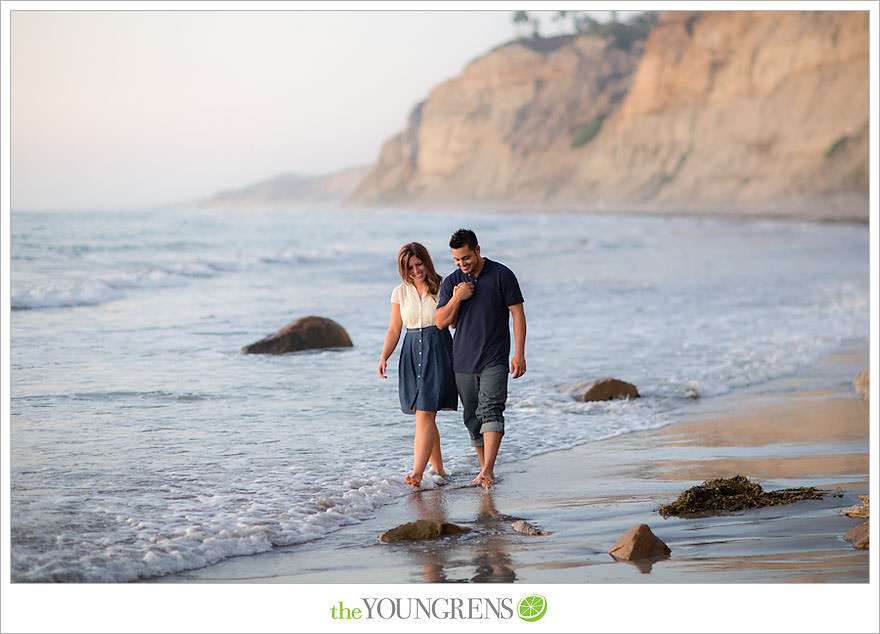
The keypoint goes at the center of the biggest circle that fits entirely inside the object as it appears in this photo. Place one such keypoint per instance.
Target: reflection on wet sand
(493, 560)
(644, 566)
(489, 555)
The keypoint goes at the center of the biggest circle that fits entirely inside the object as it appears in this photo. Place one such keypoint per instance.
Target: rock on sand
(522, 526)
(859, 536)
(639, 543)
(859, 510)
(421, 529)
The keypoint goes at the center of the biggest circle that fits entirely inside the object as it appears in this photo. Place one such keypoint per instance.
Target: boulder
(303, 334)
(858, 536)
(859, 510)
(639, 543)
(605, 390)
(862, 385)
(691, 392)
(522, 526)
(421, 529)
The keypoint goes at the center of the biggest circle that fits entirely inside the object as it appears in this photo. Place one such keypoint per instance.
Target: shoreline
(777, 434)
(846, 209)
(777, 214)
(831, 214)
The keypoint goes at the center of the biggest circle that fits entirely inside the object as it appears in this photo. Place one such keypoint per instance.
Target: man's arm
(518, 363)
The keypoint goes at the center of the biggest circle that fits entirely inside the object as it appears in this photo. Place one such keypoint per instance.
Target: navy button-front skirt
(426, 380)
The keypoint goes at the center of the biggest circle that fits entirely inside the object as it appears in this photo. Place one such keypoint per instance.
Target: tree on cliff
(520, 18)
(623, 33)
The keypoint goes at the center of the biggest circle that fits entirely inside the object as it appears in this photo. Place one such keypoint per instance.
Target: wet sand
(807, 430)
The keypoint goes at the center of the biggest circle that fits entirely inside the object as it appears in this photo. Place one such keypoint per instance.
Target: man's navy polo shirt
(482, 334)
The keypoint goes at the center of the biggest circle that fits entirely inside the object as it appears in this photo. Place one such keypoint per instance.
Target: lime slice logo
(532, 608)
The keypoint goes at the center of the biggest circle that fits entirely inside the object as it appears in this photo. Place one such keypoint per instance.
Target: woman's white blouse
(416, 312)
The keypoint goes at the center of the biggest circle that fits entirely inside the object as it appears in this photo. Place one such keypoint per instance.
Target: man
(476, 300)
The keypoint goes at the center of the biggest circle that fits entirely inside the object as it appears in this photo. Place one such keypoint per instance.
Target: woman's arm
(395, 325)
(445, 316)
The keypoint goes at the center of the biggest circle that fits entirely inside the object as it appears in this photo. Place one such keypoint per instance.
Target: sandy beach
(808, 430)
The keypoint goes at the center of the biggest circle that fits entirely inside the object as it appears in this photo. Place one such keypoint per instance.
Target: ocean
(143, 444)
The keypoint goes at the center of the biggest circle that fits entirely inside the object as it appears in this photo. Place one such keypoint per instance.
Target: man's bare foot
(483, 480)
(415, 479)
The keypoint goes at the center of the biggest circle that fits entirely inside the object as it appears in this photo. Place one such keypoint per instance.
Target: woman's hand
(463, 290)
(395, 325)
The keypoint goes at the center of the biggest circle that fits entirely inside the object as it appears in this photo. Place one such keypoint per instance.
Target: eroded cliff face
(487, 135)
(739, 110)
(728, 111)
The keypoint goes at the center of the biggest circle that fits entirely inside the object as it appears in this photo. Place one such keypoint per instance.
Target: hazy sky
(139, 108)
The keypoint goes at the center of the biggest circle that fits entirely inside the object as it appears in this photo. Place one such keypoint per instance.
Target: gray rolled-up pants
(483, 397)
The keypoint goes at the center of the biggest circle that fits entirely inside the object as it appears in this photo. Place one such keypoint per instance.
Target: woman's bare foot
(440, 472)
(414, 479)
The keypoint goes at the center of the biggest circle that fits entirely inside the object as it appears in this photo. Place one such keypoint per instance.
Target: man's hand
(518, 365)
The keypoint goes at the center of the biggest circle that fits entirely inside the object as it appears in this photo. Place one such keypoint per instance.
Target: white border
(288, 608)
(5, 318)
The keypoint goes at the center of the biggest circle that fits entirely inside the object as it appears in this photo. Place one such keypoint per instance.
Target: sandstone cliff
(503, 130)
(290, 190)
(748, 112)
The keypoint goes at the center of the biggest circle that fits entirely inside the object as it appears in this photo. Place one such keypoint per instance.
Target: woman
(426, 382)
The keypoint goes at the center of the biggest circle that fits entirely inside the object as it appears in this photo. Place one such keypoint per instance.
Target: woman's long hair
(415, 249)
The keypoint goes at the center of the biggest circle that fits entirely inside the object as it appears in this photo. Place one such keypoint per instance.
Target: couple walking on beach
(435, 369)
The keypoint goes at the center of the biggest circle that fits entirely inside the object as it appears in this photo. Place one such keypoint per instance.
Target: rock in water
(522, 526)
(303, 334)
(862, 384)
(639, 543)
(421, 529)
(606, 390)
(858, 536)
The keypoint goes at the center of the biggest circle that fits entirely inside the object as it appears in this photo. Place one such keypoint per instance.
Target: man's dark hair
(463, 237)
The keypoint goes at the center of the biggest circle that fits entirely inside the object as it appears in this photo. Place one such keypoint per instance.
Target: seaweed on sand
(734, 494)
